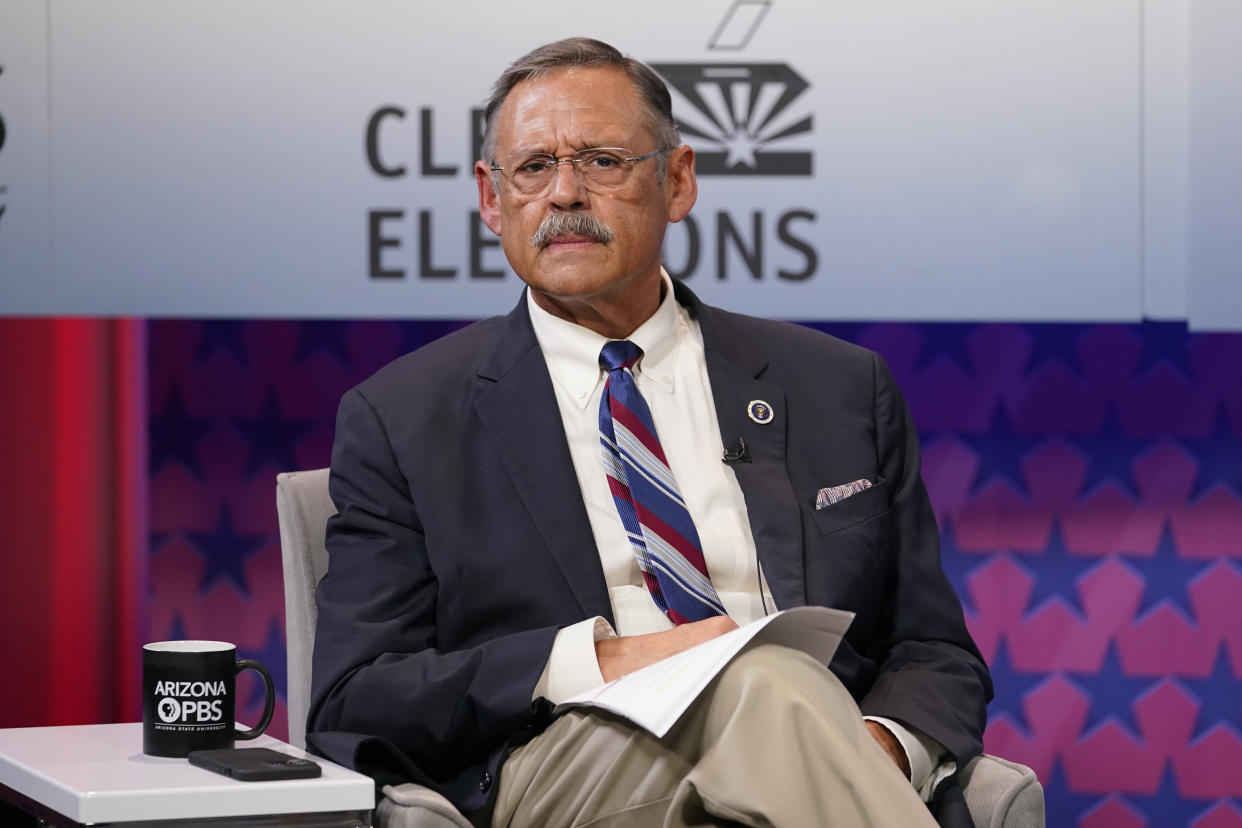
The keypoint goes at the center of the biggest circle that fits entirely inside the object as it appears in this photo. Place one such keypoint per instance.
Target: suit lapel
(517, 406)
(736, 372)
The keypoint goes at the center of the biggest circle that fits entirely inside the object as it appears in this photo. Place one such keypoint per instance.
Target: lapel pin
(759, 411)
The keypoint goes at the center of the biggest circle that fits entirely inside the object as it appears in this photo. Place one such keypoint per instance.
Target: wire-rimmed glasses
(601, 168)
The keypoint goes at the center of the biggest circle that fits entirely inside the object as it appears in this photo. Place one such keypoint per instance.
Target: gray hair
(585, 52)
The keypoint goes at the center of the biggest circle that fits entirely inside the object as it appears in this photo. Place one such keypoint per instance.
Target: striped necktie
(660, 530)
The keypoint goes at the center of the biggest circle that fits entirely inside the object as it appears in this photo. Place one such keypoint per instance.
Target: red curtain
(73, 514)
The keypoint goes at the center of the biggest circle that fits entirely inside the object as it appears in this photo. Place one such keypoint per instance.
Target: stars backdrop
(1087, 480)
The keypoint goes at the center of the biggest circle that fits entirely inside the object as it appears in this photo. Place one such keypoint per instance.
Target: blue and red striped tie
(660, 530)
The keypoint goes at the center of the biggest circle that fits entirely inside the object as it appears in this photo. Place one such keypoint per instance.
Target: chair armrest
(414, 806)
(1002, 794)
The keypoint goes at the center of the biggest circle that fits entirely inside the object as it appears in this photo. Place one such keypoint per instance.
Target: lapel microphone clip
(737, 454)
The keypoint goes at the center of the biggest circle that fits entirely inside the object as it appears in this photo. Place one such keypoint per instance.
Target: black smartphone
(254, 764)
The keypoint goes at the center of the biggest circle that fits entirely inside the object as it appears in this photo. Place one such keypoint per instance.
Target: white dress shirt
(672, 377)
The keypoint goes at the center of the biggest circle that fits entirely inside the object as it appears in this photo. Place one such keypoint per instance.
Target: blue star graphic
(1113, 693)
(1000, 452)
(1166, 576)
(323, 335)
(1219, 695)
(1056, 342)
(1164, 342)
(1057, 573)
(226, 335)
(949, 340)
(225, 553)
(272, 437)
(1219, 456)
(174, 435)
(1111, 454)
(1011, 687)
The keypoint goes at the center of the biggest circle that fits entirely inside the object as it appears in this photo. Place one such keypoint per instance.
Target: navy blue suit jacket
(462, 544)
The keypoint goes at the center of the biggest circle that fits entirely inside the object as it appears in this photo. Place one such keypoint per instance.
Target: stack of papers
(655, 697)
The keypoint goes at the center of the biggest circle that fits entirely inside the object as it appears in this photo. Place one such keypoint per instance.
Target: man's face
(561, 113)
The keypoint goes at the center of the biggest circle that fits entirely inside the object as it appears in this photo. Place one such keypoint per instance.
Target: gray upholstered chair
(303, 507)
(999, 793)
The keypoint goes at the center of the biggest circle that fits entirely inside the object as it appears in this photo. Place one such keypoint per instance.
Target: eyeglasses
(601, 168)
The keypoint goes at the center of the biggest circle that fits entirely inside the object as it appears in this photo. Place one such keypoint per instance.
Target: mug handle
(269, 698)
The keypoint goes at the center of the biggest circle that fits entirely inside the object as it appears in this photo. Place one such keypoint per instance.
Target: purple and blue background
(1087, 480)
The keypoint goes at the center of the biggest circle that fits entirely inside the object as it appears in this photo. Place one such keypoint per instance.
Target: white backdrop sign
(964, 159)
(26, 284)
(1215, 153)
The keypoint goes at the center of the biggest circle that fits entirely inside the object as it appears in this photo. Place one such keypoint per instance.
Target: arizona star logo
(740, 117)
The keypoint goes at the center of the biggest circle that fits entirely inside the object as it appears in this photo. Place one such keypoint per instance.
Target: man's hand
(891, 746)
(618, 656)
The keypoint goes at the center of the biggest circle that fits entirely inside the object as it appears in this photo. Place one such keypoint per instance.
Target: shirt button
(580, 394)
(485, 782)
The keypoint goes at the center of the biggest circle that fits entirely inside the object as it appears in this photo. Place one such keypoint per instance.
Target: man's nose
(566, 189)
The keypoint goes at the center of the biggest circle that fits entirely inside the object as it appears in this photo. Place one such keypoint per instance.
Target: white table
(93, 774)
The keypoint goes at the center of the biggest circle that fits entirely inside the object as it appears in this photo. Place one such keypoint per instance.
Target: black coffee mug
(189, 690)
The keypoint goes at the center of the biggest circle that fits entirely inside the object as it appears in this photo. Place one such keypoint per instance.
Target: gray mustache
(577, 224)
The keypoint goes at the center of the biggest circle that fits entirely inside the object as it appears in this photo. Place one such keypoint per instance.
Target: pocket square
(834, 494)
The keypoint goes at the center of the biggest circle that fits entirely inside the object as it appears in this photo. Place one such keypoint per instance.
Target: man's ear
(489, 201)
(680, 183)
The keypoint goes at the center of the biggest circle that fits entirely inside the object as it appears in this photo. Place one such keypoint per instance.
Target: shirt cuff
(929, 765)
(572, 667)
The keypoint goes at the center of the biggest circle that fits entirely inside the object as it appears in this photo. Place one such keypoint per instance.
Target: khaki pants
(775, 740)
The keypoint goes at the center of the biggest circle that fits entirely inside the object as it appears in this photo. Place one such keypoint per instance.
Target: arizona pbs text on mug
(189, 691)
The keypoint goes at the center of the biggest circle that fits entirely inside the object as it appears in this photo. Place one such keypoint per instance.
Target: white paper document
(655, 697)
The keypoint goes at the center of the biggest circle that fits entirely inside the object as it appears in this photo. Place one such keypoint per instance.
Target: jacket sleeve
(387, 697)
(930, 673)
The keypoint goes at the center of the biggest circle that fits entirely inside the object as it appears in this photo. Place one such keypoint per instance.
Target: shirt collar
(572, 351)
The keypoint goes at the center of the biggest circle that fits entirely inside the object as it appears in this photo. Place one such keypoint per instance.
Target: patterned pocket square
(834, 494)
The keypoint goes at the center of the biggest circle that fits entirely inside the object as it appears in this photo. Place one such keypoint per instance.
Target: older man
(538, 503)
